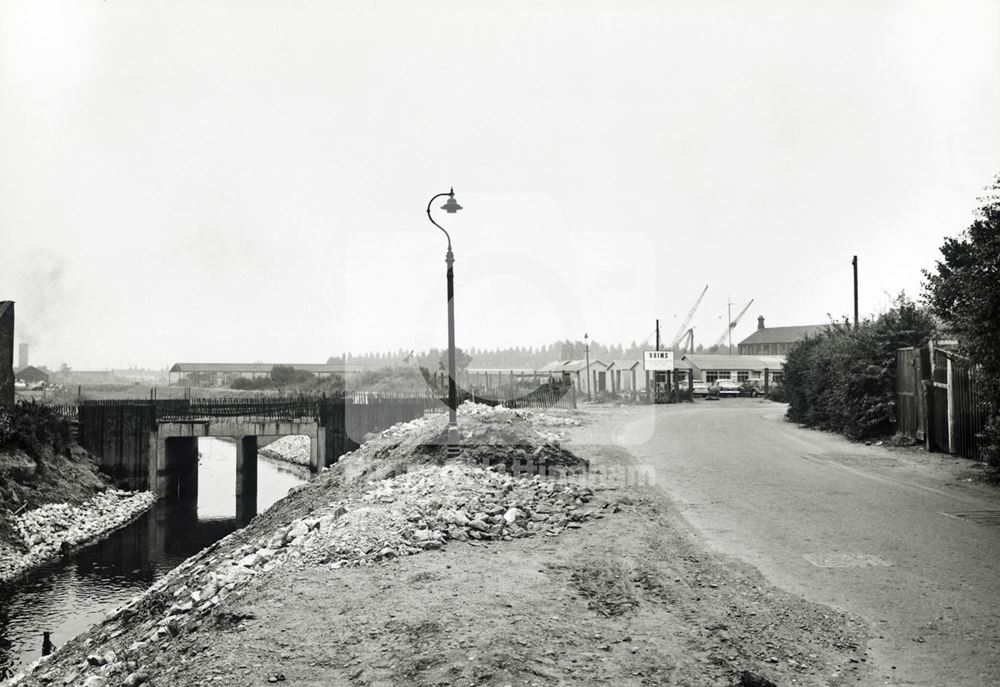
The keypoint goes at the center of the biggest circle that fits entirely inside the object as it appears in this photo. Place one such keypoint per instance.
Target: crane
(732, 324)
(688, 339)
(683, 329)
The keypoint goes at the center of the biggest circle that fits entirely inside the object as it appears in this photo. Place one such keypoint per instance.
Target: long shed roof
(735, 362)
(773, 335)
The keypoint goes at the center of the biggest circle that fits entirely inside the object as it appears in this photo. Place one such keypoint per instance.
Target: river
(67, 596)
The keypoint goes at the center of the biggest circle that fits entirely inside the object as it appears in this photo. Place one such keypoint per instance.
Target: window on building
(742, 375)
(716, 375)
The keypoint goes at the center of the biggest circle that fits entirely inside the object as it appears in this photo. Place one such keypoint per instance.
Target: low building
(777, 340)
(576, 370)
(738, 368)
(31, 375)
(627, 375)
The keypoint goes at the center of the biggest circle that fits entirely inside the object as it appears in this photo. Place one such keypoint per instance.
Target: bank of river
(66, 596)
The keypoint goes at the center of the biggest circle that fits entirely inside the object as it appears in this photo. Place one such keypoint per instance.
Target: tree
(963, 290)
(462, 360)
(284, 375)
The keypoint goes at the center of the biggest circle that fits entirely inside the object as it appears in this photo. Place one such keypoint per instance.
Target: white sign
(658, 361)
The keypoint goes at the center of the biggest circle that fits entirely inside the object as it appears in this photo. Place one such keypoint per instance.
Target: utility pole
(855, 263)
(729, 312)
(657, 334)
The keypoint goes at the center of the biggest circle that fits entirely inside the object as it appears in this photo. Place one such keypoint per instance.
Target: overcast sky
(246, 181)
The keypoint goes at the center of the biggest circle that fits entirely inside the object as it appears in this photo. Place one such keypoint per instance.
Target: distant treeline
(523, 357)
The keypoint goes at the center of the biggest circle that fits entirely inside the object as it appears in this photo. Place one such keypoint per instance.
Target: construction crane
(683, 329)
(732, 325)
(688, 339)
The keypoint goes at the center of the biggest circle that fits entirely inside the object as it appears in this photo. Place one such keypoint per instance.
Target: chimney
(22, 356)
(760, 322)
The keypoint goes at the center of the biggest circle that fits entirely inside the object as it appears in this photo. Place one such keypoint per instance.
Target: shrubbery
(281, 376)
(34, 427)
(845, 379)
(964, 291)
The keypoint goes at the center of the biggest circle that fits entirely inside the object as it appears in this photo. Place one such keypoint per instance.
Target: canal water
(66, 597)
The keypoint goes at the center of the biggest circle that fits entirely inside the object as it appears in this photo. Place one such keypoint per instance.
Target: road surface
(896, 536)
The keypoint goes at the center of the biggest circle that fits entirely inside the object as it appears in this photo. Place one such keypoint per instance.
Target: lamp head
(451, 207)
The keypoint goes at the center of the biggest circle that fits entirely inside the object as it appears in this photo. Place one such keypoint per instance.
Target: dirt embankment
(396, 567)
(53, 499)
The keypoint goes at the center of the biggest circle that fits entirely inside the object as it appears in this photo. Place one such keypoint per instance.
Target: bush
(248, 384)
(964, 292)
(34, 427)
(776, 393)
(845, 379)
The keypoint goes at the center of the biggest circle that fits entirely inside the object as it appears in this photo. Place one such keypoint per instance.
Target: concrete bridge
(154, 444)
(173, 460)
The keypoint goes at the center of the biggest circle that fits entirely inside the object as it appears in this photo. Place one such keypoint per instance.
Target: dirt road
(896, 536)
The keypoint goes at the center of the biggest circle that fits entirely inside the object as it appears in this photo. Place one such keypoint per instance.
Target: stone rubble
(291, 449)
(47, 530)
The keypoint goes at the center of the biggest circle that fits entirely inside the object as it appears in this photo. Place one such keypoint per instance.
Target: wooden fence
(938, 400)
(117, 434)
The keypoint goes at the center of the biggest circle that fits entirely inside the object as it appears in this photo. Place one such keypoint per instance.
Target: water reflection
(66, 597)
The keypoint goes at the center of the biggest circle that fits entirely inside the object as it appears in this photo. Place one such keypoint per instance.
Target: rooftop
(772, 335)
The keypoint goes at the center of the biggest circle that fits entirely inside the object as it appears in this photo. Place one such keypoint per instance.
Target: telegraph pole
(854, 262)
(729, 311)
(657, 334)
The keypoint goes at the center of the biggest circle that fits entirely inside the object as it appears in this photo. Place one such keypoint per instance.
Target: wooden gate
(938, 400)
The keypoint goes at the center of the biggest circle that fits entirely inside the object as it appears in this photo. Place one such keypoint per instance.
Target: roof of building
(625, 364)
(31, 373)
(772, 335)
(735, 362)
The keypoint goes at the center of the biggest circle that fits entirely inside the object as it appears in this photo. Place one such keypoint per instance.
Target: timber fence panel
(938, 400)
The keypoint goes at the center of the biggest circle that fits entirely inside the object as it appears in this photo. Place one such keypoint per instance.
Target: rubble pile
(521, 440)
(50, 529)
(290, 449)
(433, 506)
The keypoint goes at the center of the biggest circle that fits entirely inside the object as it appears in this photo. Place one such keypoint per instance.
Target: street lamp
(451, 207)
(586, 348)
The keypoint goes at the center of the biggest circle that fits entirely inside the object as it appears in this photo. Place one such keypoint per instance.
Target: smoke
(40, 295)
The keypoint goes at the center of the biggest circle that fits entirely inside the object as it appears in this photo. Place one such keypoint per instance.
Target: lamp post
(586, 348)
(451, 207)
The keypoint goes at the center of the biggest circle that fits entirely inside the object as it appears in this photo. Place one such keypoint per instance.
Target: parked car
(700, 389)
(752, 388)
(725, 387)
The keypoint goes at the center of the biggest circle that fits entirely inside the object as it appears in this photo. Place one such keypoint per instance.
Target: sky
(247, 181)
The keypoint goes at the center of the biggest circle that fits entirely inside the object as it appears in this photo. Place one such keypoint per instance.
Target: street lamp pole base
(453, 438)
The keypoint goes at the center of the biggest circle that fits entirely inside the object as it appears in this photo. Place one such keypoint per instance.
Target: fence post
(929, 438)
(951, 407)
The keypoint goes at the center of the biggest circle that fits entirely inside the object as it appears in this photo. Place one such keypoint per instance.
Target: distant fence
(544, 396)
(938, 400)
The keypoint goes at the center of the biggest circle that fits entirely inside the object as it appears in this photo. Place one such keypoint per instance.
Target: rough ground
(28, 483)
(615, 590)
